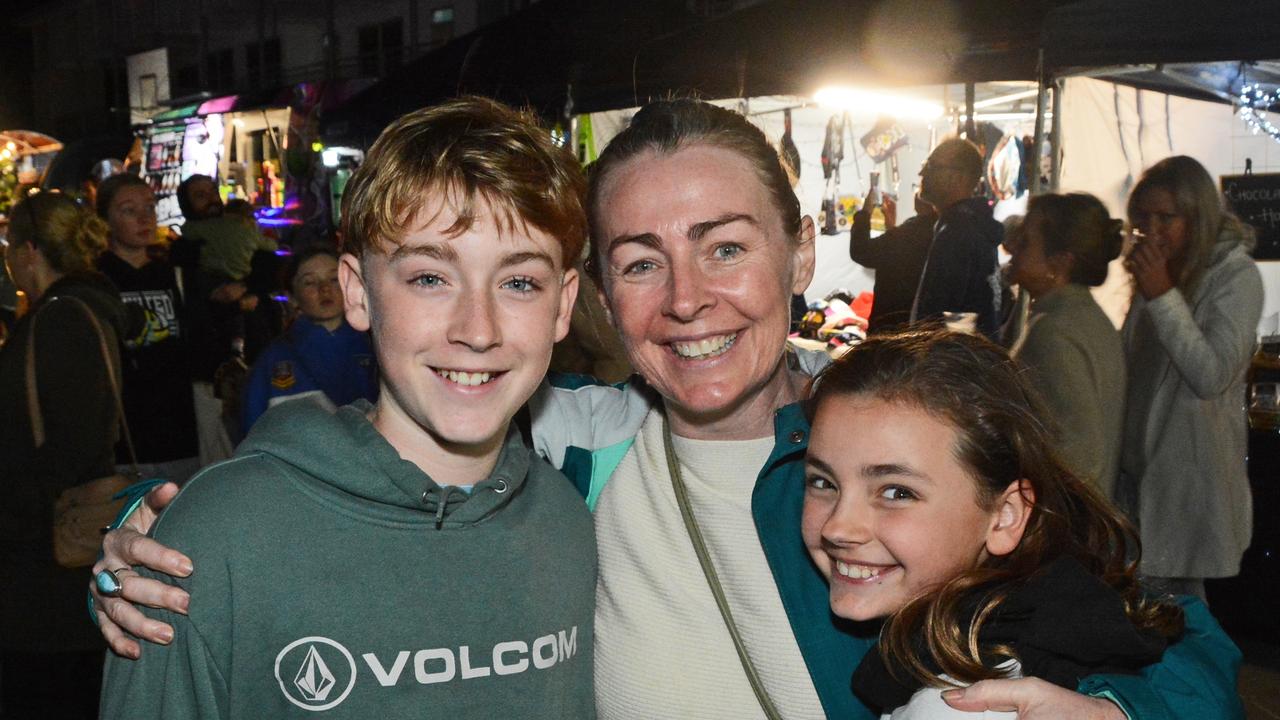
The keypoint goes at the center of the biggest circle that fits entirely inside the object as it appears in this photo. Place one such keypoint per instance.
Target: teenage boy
(409, 558)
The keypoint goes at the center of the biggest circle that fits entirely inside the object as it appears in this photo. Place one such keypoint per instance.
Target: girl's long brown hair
(979, 390)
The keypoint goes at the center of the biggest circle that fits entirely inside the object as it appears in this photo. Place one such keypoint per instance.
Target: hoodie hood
(345, 453)
(96, 291)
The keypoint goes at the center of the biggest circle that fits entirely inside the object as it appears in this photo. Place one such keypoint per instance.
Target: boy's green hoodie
(334, 577)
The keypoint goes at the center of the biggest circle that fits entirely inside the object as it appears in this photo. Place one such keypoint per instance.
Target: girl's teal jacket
(585, 428)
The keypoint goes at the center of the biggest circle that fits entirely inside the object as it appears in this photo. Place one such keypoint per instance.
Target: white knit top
(662, 649)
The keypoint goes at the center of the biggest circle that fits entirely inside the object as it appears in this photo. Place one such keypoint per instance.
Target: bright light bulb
(879, 103)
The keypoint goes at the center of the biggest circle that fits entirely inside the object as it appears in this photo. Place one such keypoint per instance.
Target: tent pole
(1055, 137)
(970, 125)
(1037, 145)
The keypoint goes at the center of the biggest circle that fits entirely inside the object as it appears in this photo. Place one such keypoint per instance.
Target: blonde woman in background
(52, 662)
(1188, 338)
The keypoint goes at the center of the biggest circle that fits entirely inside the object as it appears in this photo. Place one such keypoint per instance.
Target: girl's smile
(889, 513)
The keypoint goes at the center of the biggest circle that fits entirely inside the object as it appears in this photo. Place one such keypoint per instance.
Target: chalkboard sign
(1256, 199)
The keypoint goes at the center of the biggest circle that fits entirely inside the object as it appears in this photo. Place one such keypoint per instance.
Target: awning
(27, 142)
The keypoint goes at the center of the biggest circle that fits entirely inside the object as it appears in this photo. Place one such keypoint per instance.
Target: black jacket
(43, 606)
(962, 273)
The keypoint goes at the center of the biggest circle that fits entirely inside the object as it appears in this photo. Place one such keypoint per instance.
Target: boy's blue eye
(522, 285)
(427, 280)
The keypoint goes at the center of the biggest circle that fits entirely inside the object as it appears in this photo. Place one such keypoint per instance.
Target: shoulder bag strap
(713, 580)
(33, 393)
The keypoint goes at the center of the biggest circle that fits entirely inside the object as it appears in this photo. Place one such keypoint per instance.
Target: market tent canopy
(785, 48)
(27, 142)
(780, 47)
(537, 58)
(575, 55)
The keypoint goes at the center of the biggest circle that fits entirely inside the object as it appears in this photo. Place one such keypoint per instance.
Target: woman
(1188, 339)
(699, 245)
(50, 663)
(157, 377)
(1071, 348)
(320, 354)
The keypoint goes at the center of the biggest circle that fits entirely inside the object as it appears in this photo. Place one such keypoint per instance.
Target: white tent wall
(1110, 133)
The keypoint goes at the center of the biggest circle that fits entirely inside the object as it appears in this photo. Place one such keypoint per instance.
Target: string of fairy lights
(1254, 106)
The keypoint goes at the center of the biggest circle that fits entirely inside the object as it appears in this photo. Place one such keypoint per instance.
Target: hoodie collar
(344, 451)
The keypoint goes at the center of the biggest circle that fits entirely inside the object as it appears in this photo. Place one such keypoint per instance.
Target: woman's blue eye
(521, 285)
(728, 250)
(639, 267)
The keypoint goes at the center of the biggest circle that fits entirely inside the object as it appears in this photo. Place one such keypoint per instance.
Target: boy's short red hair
(460, 150)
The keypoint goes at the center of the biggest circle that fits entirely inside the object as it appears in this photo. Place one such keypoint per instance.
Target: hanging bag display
(80, 512)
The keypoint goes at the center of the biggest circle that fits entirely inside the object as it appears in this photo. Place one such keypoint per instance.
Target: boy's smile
(462, 324)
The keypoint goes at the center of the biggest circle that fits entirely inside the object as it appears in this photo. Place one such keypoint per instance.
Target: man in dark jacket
(961, 274)
(897, 255)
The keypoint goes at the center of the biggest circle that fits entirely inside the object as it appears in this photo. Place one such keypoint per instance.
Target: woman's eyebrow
(697, 231)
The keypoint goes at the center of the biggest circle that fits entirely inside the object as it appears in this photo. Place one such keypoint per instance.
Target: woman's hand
(1032, 699)
(1149, 264)
(129, 546)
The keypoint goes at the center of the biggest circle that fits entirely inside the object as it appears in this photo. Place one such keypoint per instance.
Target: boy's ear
(1009, 520)
(355, 295)
(802, 261)
(568, 296)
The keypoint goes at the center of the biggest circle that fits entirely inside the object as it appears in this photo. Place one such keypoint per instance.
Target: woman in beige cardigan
(1188, 338)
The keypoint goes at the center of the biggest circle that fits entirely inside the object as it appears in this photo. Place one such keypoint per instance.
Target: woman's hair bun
(1114, 239)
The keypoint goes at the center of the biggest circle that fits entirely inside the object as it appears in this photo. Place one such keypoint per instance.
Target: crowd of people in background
(1074, 443)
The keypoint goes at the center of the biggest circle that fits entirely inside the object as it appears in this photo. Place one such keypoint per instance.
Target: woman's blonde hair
(974, 386)
(1199, 201)
(70, 238)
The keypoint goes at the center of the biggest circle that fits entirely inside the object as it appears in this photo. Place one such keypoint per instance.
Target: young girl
(935, 501)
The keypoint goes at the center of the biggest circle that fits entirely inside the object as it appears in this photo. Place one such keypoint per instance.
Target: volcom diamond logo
(311, 678)
(314, 680)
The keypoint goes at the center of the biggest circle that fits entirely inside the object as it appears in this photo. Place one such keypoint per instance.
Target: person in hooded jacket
(962, 272)
(158, 398)
(412, 557)
(1188, 340)
(320, 355)
(51, 663)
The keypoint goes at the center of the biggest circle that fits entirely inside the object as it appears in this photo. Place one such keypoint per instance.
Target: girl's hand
(128, 546)
(1149, 264)
(1032, 699)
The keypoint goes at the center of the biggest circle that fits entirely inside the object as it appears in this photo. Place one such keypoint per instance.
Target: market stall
(262, 148)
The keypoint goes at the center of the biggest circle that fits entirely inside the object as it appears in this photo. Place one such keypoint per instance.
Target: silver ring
(108, 583)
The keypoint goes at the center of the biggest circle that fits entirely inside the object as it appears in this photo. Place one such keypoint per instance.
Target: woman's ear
(1061, 264)
(1010, 517)
(803, 256)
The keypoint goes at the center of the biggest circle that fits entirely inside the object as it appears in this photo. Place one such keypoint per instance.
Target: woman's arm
(129, 546)
(1210, 357)
(1195, 679)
